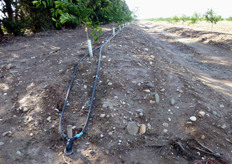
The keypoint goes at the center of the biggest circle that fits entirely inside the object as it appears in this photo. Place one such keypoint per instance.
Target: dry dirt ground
(175, 80)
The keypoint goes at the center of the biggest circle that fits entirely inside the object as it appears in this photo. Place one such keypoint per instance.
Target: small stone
(152, 102)
(49, 118)
(110, 83)
(25, 109)
(172, 102)
(45, 86)
(131, 90)
(9, 66)
(149, 126)
(13, 71)
(147, 90)
(101, 135)
(201, 113)
(102, 115)
(1, 143)
(105, 105)
(157, 99)
(92, 152)
(165, 130)
(57, 110)
(203, 137)
(18, 152)
(120, 141)
(162, 90)
(193, 118)
(5, 94)
(222, 106)
(110, 133)
(215, 113)
(139, 110)
(169, 119)
(165, 124)
(107, 151)
(132, 128)
(123, 102)
(85, 87)
(224, 126)
(150, 85)
(60, 153)
(142, 129)
(6, 133)
(31, 134)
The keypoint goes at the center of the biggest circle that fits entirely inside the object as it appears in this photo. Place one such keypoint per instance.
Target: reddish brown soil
(36, 71)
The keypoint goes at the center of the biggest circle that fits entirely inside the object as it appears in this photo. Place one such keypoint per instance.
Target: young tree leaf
(44, 3)
(100, 31)
(54, 19)
(88, 23)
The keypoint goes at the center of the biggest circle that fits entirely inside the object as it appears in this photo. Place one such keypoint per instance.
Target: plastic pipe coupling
(69, 150)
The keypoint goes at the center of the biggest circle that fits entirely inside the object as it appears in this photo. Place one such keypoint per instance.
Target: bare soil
(144, 59)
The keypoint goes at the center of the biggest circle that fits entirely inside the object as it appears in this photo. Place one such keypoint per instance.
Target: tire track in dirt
(211, 64)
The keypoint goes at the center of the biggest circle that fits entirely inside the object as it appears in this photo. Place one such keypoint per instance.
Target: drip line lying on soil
(64, 136)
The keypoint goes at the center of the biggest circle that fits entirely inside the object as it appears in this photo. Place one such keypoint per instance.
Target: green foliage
(120, 12)
(35, 18)
(195, 18)
(210, 16)
(91, 13)
(13, 27)
(37, 15)
(175, 19)
(229, 19)
(69, 14)
(184, 18)
(160, 19)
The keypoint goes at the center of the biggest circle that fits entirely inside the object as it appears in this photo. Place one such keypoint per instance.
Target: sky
(169, 8)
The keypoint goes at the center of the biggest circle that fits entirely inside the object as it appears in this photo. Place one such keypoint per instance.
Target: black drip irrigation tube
(69, 141)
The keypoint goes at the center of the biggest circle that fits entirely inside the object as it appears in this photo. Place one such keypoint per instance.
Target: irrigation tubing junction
(69, 141)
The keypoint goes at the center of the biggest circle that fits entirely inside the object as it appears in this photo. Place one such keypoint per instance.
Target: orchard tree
(184, 18)
(210, 16)
(195, 18)
(18, 16)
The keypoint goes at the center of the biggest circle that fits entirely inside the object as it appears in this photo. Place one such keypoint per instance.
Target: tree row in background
(38, 15)
(209, 16)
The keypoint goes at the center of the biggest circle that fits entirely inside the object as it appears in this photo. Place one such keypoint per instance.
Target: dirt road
(211, 64)
(178, 86)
